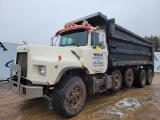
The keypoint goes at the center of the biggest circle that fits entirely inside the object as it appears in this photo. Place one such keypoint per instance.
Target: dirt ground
(127, 104)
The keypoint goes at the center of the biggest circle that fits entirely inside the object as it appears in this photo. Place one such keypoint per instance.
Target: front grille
(22, 61)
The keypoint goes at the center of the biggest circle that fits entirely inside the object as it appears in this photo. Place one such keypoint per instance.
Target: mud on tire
(149, 77)
(117, 81)
(69, 96)
(128, 77)
(140, 78)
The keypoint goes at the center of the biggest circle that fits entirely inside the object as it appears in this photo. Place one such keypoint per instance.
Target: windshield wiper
(75, 54)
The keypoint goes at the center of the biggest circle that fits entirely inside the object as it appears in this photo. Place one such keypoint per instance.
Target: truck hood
(49, 52)
(48, 56)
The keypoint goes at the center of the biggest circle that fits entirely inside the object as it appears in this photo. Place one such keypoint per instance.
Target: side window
(94, 39)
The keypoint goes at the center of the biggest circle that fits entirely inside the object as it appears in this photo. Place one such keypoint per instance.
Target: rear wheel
(117, 81)
(149, 77)
(128, 78)
(69, 96)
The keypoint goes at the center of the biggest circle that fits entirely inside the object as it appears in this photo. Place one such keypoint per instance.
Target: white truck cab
(89, 46)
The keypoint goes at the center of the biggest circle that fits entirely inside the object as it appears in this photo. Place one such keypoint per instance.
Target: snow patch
(115, 112)
(129, 103)
(123, 106)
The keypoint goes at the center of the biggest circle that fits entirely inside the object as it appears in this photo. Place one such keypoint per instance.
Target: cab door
(99, 52)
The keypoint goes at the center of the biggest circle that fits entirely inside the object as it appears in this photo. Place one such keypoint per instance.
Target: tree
(156, 42)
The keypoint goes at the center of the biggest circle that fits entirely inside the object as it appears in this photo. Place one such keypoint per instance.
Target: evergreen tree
(156, 41)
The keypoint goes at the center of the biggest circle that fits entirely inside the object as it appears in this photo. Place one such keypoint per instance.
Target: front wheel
(69, 96)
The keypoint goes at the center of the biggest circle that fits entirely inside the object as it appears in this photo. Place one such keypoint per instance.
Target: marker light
(73, 24)
(85, 23)
(69, 25)
(65, 26)
(59, 57)
(97, 27)
(56, 66)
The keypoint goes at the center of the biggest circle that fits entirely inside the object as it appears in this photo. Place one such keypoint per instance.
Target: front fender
(64, 70)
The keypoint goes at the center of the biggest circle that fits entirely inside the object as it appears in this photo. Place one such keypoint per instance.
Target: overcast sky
(36, 21)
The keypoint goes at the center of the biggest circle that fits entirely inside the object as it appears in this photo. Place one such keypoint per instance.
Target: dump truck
(93, 55)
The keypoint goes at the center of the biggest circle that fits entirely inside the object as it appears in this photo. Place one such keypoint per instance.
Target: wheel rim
(74, 97)
(116, 81)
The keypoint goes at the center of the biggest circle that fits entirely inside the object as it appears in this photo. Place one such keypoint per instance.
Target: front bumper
(25, 91)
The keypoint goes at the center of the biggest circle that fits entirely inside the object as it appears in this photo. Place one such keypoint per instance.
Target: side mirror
(102, 43)
(101, 37)
(53, 39)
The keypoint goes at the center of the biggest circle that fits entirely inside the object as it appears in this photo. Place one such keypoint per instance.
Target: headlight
(43, 70)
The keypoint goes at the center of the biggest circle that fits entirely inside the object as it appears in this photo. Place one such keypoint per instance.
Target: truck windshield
(76, 37)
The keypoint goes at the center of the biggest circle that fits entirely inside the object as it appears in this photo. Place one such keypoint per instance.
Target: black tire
(69, 96)
(149, 77)
(135, 81)
(128, 78)
(140, 79)
(117, 81)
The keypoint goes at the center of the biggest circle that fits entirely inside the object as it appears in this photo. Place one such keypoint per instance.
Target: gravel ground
(127, 104)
